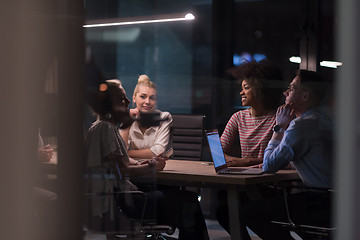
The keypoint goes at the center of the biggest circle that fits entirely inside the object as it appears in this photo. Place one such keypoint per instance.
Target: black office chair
(187, 136)
(312, 231)
(121, 221)
(187, 140)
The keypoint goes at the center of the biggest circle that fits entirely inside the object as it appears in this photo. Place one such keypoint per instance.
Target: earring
(108, 115)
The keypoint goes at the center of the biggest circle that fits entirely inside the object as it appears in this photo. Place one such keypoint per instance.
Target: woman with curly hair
(262, 88)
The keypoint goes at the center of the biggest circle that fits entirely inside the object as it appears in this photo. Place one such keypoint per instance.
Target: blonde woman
(145, 142)
(106, 154)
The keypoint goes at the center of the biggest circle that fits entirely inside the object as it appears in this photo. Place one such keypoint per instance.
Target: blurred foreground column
(34, 34)
(348, 118)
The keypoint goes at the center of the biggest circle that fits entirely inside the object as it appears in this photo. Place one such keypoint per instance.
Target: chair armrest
(298, 184)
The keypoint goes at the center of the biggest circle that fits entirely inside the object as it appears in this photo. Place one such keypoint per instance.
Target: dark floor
(216, 232)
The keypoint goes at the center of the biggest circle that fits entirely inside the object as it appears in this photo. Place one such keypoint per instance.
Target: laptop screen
(215, 148)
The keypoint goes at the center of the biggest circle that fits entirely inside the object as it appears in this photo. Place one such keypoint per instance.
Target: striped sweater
(254, 133)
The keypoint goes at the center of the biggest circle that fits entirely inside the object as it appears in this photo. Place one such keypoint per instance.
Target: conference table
(202, 174)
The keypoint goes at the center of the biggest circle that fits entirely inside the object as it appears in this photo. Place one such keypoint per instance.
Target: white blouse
(156, 138)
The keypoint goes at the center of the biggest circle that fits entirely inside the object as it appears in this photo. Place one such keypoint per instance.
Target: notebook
(218, 157)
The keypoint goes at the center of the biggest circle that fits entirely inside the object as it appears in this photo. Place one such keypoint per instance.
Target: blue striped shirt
(308, 144)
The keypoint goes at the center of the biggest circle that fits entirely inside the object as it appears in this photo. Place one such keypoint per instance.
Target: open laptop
(218, 157)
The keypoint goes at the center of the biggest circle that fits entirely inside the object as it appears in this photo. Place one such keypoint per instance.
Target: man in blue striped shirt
(303, 137)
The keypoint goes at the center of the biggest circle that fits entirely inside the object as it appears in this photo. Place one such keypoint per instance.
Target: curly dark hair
(266, 79)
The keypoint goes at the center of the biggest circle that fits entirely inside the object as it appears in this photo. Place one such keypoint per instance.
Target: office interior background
(45, 48)
(188, 59)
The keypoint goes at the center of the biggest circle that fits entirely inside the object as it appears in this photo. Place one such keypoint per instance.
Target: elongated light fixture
(330, 64)
(294, 59)
(139, 20)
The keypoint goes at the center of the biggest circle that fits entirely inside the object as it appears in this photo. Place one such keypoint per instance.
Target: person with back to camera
(261, 90)
(303, 136)
(43, 199)
(107, 153)
(146, 141)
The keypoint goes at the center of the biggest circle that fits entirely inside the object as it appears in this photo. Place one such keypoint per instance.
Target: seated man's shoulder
(103, 124)
(305, 121)
(100, 126)
(312, 122)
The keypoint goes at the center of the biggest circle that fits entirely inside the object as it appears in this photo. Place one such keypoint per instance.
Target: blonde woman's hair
(144, 80)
